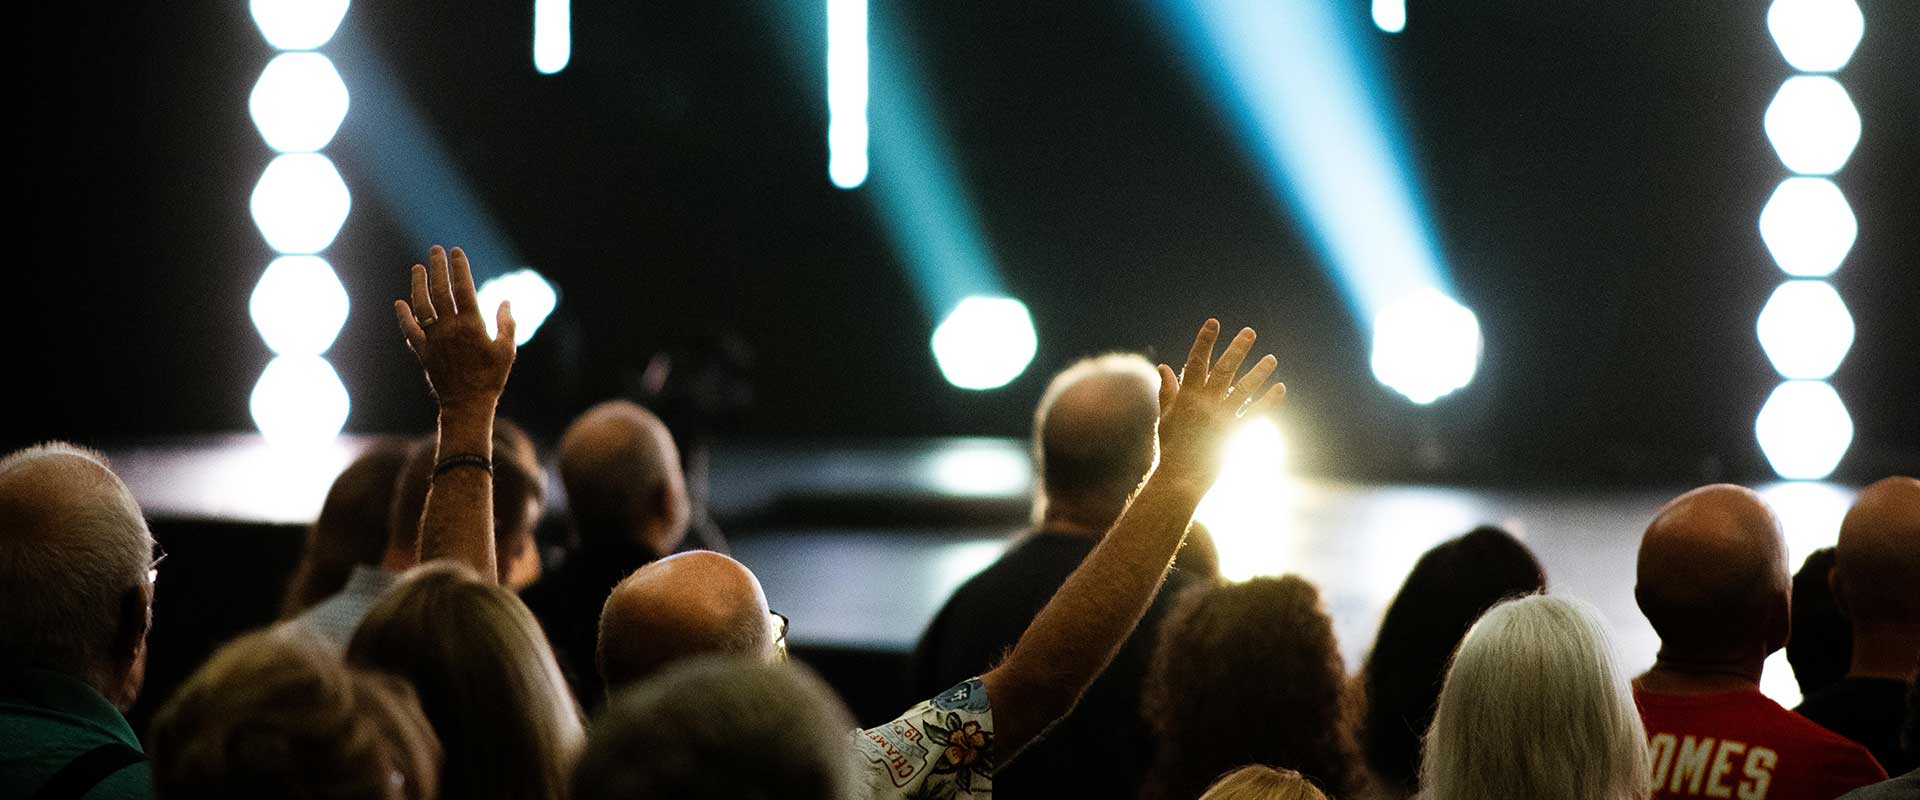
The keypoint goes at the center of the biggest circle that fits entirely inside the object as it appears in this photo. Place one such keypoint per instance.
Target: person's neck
(1063, 519)
(1884, 651)
(1681, 674)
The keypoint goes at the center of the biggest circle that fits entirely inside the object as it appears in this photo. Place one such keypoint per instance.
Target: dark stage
(860, 543)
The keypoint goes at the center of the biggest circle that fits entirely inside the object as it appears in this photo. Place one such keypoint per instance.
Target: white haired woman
(1536, 706)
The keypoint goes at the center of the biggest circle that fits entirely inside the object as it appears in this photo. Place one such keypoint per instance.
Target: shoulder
(134, 782)
(942, 747)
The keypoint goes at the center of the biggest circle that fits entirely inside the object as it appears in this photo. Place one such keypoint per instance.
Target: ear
(129, 646)
(1779, 621)
(1838, 588)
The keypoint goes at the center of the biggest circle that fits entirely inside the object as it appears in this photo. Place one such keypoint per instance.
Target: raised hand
(1201, 405)
(443, 328)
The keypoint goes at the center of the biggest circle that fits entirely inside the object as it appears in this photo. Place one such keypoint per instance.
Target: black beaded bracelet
(462, 460)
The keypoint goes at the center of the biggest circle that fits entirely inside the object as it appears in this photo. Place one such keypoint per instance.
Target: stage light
(533, 300)
(1390, 15)
(299, 402)
(1425, 346)
(1808, 227)
(1812, 124)
(298, 102)
(985, 343)
(980, 468)
(847, 92)
(552, 35)
(1816, 35)
(1805, 330)
(1804, 429)
(298, 306)
(297, 24)
(300, 203)
(1245, 511)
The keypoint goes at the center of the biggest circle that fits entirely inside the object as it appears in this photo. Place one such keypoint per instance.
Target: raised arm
(1073, 638)
(466, 372)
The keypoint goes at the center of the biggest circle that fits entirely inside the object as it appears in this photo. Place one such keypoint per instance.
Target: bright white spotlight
(1805, 329)
(1808, 227)
(1816, 35)
(300, 203)
(533, 299)
(1425, 346)
(847, 92)
(985, 343)
(1812, 124)
(1390, 15)
(1804, 429)
(298, 102)
(1244, 511)
(299, 402)
(298, 306)
(552, 35)
(298, 24)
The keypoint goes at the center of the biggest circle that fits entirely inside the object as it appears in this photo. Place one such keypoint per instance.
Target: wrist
(1184, 484)
(466, 430)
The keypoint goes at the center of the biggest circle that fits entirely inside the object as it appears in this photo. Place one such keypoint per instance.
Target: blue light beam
(1289, 75)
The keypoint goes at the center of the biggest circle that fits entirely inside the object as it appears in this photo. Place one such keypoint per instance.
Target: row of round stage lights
(1805, 329)
(299, 205)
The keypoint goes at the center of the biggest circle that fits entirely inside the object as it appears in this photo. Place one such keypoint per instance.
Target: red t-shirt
(1743, 745)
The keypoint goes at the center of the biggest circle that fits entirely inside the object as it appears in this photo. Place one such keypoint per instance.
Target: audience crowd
(422, 652)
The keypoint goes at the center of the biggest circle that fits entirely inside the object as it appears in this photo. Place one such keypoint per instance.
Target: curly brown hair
(1248, 673)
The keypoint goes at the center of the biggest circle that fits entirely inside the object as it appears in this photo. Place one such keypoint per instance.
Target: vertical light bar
(1390, 15)
(552, 35)
(299, 204)
(1803, 428)
(847, 92)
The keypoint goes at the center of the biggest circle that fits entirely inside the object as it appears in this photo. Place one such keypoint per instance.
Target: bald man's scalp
(620, 467)
(1712, 573)
(1094, 428)
(694, 603)
(1877, 561)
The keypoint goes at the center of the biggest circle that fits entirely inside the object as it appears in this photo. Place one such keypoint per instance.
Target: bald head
(1712, 576)
(1094, 435)
(689, 604)
(1877, 564)
(74, 595)
(623, 479)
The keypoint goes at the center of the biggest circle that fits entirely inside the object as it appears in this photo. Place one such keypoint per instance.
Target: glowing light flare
(983, 468)
(297, 24)
(533, 301)
(1805, 329)
(1390, 15)
(985, 342)
(300, 203)
(847, 92)
(1812, 124)
(1245, 511)
(299, 402)
(1426, 346)
(1804, 430)
(298, 102)
(1808, 227)
(552, 35)
(298, 306)
(1816, 35)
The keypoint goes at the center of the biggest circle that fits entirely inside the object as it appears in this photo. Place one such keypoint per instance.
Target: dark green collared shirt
(48, 719)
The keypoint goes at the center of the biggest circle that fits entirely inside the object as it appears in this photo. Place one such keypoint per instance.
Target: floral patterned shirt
(938, 750)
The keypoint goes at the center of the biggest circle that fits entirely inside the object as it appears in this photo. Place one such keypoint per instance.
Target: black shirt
(1867, 710)
(1103, 748)
(567, 601)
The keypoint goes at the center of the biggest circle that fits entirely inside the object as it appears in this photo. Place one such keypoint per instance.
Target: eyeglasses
(153, 567)
(780, 639)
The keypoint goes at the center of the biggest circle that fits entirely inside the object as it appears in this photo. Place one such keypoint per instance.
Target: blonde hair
(486, 677)
(273, 714)
(1256, 782)
(1536, 706)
